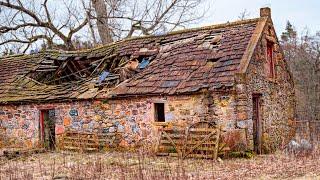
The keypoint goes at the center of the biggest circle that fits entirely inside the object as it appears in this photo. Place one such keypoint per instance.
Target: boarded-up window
(159, 112)
(271, 62)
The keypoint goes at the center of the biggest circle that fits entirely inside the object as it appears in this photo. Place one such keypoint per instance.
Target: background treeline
(302, 51)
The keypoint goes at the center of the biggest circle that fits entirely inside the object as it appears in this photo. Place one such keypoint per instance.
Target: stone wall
(277, 100)
(133, 118)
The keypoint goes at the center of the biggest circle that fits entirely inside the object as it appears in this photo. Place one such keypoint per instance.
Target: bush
(240, 154)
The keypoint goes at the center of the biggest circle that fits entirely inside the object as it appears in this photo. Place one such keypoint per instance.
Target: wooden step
(201, 136)
(205, 156)
(174, 136)
(195, 130)
(162, 154)
(209, 143)
(174, 130)
(80, 144)
(78, 148)
(202, 149)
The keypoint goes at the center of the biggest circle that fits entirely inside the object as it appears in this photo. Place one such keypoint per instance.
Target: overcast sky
(302, 13)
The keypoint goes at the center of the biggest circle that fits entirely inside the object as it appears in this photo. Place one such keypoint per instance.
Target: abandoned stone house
(233, 74)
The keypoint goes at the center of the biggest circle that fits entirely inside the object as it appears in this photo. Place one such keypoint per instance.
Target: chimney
(265, 12)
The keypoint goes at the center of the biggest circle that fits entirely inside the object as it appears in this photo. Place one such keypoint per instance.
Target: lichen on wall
(20, 124)
(277, 95)
(127, 121)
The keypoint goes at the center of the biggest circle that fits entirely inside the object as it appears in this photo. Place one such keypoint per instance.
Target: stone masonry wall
(133, 118)
(277, 100)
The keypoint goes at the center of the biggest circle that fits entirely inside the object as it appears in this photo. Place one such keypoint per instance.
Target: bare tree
(244, 14)
(102, 17)
(26, 24)
(124, 18)
(303, 55)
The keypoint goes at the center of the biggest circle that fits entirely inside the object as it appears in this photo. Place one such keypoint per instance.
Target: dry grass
(115, 165)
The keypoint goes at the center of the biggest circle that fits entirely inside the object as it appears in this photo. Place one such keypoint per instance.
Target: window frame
(156, 112)
(271, 60)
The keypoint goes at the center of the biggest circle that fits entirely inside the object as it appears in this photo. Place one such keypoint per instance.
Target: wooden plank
(174, 130)
(215, 155)
(175, 136)
(204, 143)
(201, 136)
(162, 154)
(205, 148)
(169, 142)
(199, 143)
(195, 142)
(202, 130)
(205, 156)
(175, 146)
(80, 141)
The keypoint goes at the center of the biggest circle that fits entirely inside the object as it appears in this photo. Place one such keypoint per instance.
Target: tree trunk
(102, 21)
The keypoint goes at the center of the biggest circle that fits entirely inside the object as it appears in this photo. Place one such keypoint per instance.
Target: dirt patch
(115, 165)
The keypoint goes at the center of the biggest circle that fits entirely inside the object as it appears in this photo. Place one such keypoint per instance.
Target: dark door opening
(47, 129)
(257, 126)
(159, 112)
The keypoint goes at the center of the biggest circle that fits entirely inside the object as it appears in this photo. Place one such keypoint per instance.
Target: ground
(116, 165)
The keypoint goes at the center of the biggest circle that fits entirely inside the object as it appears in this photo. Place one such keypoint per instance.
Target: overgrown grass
(138, 165)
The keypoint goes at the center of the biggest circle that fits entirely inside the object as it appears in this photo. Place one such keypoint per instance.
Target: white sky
(301, 13)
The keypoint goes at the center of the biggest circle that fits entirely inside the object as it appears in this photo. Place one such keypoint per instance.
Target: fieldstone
(103, 125)
(97, 117)
(66, 121)
(242, 124)
(242, 116)
(120, 128)
(135, 112)
(85, 126)
(112, 129)
(109, 124)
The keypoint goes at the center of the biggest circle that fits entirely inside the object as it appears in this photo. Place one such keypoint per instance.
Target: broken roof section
(180, 62)
(189, 61)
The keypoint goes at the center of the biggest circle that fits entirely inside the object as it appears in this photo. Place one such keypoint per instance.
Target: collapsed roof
(177, 63)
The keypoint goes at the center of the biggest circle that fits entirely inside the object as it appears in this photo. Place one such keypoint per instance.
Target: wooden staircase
(80, 142)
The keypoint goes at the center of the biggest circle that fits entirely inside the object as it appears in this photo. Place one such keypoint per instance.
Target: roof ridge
(202, 28)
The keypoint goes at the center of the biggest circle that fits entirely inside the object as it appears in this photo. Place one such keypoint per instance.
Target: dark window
(271, 62)
(159, 112)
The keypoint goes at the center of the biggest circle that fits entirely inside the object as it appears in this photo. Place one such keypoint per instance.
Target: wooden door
(257, 125)
(47, 129)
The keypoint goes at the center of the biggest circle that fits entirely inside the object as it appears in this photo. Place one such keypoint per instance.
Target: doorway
(257, 125)
(47, 129)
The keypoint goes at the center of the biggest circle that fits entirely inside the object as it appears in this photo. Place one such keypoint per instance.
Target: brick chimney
(265, 12)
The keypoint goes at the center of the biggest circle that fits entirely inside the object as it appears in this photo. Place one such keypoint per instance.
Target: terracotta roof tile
(184, 62)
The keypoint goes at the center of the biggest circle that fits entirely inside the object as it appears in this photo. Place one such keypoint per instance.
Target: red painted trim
(271, 60)
(44, 107)
(42, 125)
